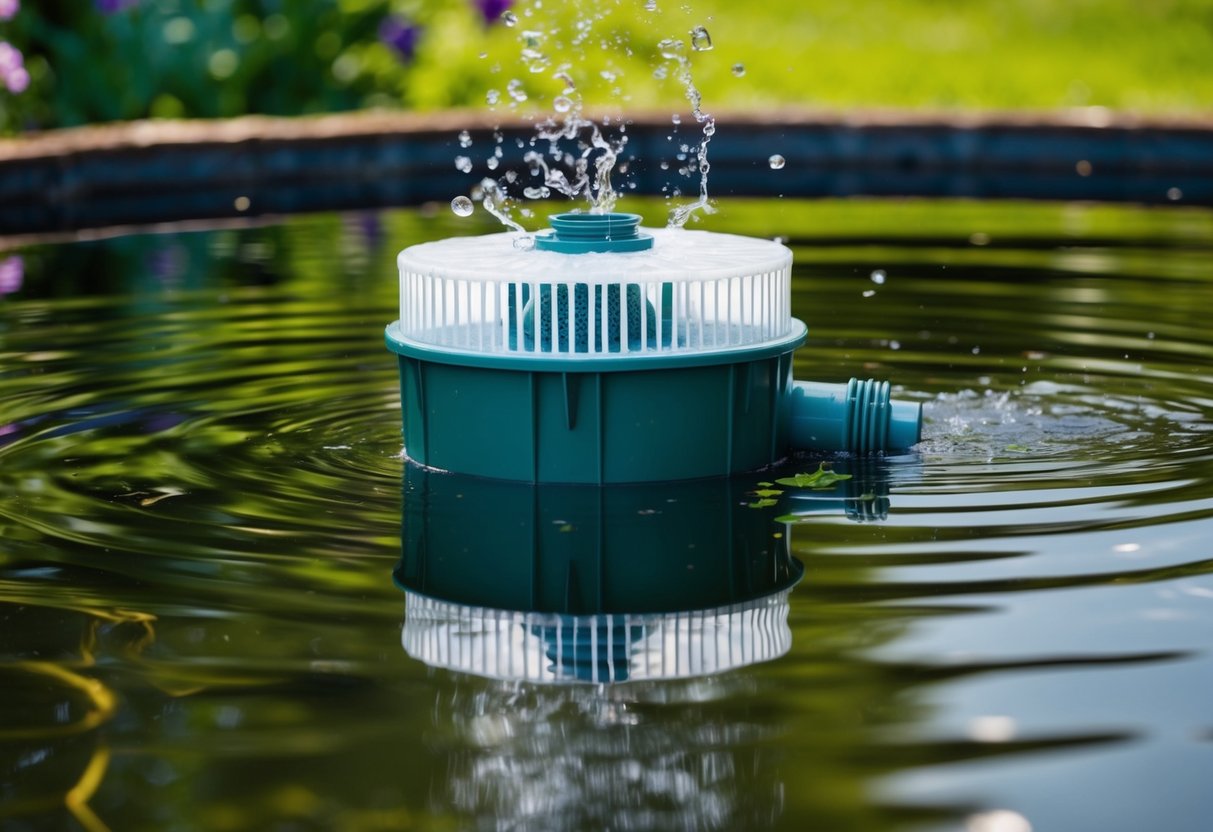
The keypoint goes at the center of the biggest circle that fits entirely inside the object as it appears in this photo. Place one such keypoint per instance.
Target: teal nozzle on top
(584, 233)
(858, 417)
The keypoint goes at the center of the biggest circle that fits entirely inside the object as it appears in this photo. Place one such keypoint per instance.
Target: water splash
(674, 52)
(570, 154)
(497, 202)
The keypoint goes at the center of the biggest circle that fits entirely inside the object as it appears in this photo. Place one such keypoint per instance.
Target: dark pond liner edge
(141, 173)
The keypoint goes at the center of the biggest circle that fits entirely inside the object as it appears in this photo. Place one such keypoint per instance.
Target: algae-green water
(1007, 629)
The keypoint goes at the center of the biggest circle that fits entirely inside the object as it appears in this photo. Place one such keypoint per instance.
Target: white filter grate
(693, 291)
(553, 648)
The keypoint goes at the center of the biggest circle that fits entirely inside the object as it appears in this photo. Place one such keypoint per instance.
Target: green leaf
(767, 503)
(765, 484)
(767, 492)
(1019, 449)
(821, 478)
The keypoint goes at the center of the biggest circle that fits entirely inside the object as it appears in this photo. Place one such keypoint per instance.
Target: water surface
(1007, 629)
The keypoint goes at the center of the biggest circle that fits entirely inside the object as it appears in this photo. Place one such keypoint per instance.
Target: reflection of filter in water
(610, 617)
(608, 354)
(551, 648)
(563, 584)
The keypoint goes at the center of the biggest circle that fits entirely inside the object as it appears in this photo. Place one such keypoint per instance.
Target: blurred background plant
(70, 62)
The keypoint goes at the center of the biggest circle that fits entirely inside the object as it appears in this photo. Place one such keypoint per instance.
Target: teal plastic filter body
(603, 353)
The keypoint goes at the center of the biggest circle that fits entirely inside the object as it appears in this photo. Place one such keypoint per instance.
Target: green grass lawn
(1125, 54)
(1134, 55)
(180, 58)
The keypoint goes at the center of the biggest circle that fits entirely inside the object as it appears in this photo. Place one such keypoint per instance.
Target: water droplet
(776, 162)
(463, 163)
(701, 41)
(492, 97)
(535, 60)
(670, 48)
(1174, 194)
(869, 293)
(567, 80)
(514, 88)
(709, 129)
(650, 5)
(492, 163)
(562, 103)
(465, 138)
(894, 345)
(509, 18)
(524, 243)
(677, 119)
(536, 193)
(878, 277)
(738, 70)
(462, 206)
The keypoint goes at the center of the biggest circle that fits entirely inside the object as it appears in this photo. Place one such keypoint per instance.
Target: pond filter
(599, 352)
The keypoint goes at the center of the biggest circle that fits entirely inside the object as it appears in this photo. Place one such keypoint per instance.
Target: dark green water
(1009, 629)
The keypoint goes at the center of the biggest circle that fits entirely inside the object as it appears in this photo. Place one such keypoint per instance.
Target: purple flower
(401, 35)
(112, 6)
(492, 10)
(13, 74)
(12, 274)
(8, 8)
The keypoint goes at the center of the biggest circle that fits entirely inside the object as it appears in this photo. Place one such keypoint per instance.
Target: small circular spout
(582, 233)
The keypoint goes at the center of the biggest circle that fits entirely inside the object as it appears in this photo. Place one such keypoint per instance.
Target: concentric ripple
(1006, 628)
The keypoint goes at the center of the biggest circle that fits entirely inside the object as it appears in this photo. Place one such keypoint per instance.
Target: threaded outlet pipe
(858, 417)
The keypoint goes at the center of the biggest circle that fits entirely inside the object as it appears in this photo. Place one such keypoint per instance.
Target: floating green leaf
(767, 503)
(821, 478)
(767, 492)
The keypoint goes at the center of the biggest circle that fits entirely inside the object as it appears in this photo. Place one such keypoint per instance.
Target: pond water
(1007, 629)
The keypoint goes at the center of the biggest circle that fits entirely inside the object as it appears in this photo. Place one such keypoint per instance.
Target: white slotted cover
(693, 291)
